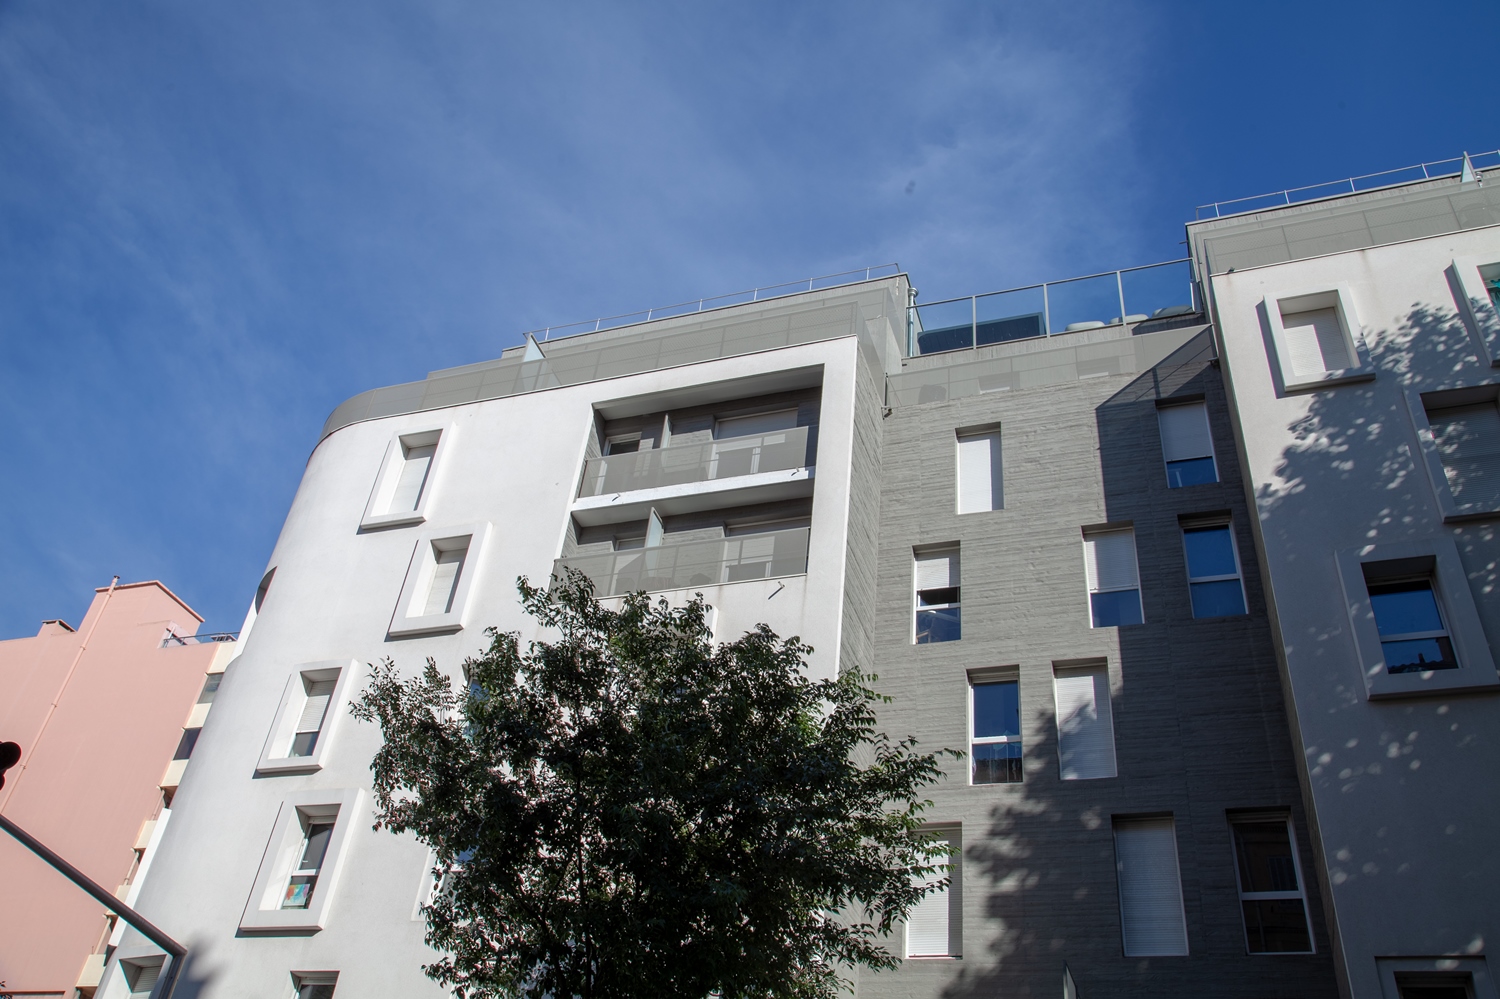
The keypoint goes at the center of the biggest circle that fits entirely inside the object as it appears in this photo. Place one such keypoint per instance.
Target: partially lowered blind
(1151, 912)
(1109, 561)
(979, 487)
(1315, 340)
(937, 570)
(929, 930)
(1085, 724)
(1184, 432)
(316, 706)
(1468, 441)
(145, 979)
(413, 477)
(444, 580)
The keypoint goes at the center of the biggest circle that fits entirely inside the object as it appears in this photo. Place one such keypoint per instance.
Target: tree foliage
(633, 810)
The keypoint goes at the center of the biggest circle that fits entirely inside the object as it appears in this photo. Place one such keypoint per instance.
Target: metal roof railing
(1133, 295)
(1434, 170)
(758, 294)
(218, 636)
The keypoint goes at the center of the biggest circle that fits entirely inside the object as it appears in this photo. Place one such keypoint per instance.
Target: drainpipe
(58, 699)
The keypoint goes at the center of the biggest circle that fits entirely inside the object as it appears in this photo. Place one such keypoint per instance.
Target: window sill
(378, 521)
(1311, 383)
(289, 765)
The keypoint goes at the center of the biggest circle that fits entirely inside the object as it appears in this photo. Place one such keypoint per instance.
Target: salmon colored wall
(92, 779)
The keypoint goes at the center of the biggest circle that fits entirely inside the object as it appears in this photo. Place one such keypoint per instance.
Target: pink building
(106, 715)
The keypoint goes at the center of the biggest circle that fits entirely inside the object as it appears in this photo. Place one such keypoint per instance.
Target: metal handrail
(1218, 208)
(684, 565)
(215, 636)
(1045, 329)
(757, 294)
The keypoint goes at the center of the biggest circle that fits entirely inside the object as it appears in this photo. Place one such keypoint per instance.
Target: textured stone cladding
(1200, 726)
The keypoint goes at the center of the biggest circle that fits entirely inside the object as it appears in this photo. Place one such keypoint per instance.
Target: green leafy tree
(632, 810)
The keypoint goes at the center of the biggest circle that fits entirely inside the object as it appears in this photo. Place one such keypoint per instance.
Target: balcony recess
(694, 564)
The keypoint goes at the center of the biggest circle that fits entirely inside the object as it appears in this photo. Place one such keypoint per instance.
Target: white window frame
(955, 550)
(377, 509)
(419, 577)
(983, 678)
(1182, 404)
(1200, 523)
(1450, 587)
(1475, 304)
(1339, 298)
(273, 754)
(1248, 818)
(953, 896)
(302, 979)
(996, 485)
(263, 912)
(1446, 397)
(1092, 587)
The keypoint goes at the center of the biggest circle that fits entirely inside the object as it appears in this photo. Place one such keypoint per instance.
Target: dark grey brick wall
(1200, 726)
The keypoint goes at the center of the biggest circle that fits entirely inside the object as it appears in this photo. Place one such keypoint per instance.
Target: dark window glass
(622, 447)
(1413, 638)
(1263, 852)
(1265, 856)
(1117, 607)
(938, 625)
(210, 688)
(1438, 986)
(1210, 552)
(1190, 472)
(186, 743)
(315, 991)
(1276, 926)
(303, 743)
(997, 709)
(1223, 598)
(997, 763)
(946, 595)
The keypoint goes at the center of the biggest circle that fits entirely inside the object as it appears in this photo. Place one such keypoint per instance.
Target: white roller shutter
(937, 570)
(1468, 440)
(316, 705)
(1085, 724)
(1184, 432)
(1151, 913)
(413, 477)
(444, 580)
(979, 482)
(1315, 340)
(929, 927)
(1109, 561)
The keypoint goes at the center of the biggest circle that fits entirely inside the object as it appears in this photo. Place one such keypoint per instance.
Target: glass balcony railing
(720, 459)
(695, 563)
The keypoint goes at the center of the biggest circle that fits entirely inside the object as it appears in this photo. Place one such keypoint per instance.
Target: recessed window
(934, 925)
(1213, 571)
(299, 868)
(995, 747)
(1085, 720)
(1187, 445)
(1272, 897)
(936, 576)
(1151, 914)
(1435, 985)
(306, 717)
(1113, 579)
(979, 481)
(1468, 445)
(210, 688)
(264, 588)
(141, 976)
(1316, 339)
(438, 581)
(753, 426)
(314, 984)
(304, 879)
(1413, 635)
(623, 445)
(405, 480)
(186, 743)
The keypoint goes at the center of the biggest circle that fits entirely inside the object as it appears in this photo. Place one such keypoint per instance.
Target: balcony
(694, 564)
(734, 470)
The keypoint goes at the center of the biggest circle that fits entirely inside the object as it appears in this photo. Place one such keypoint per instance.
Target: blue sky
(218, 220)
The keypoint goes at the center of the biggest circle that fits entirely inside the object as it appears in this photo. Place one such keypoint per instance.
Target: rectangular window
(995, 720)
(1435, 985)
(403, 485)
(1085, 721)
(210, 688)
(1414, 637)
(186, 743)
(979, 481)
(1315, 340)
(1213, 566)
(936, 575)
(438, 580)
(314, 984)
(140, 977)
(1113, 579)
(1187, 445)
(754, 426)
(1270, 880)
(316, 832)
(623, 445)
(314, 709)
(934, 925)
(1468, 445)
(1152, 919)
